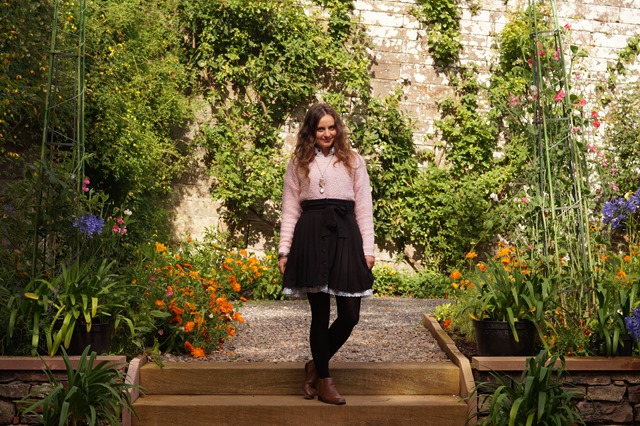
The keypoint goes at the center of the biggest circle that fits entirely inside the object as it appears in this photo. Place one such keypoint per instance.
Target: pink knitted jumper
(339, 184)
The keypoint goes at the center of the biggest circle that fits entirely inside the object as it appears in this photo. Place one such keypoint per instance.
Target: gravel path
(390, 330)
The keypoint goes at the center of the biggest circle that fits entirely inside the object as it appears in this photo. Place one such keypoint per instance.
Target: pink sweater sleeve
(290, 208)
(364, 207)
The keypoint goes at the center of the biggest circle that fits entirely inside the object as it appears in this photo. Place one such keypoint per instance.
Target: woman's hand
(282, 264)
(370, 261)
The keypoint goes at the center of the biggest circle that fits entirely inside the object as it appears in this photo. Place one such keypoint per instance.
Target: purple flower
(617, 210)
(90, 225)
(633, 323)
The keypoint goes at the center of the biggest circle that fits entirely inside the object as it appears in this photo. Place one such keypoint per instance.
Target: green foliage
(390, 282)
(384, 137)
(80, 295)
(623, 137)
(442, 18)
(91, 394)
(539, 397)
(24, 47)
(469, 138)
(136, 103)
(258, 61)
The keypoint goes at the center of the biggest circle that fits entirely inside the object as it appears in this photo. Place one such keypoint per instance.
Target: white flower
(494, 196)
(127, 212)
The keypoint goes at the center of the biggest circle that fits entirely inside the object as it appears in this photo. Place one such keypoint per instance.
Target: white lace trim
(302, 292)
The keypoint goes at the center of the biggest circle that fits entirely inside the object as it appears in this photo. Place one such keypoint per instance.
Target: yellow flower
(621, 275)
(160, 247)
(454, 285)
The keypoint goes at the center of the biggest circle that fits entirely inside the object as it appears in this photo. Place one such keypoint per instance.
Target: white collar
(319, 152)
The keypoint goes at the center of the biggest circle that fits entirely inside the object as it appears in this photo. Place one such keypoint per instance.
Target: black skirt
(326, 252)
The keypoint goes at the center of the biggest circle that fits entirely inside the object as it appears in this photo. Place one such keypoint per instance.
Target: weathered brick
(14, 390)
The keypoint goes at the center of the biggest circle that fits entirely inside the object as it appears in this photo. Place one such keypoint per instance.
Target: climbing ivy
(442, 18)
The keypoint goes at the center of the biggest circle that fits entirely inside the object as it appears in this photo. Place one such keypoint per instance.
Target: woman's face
(326, 133)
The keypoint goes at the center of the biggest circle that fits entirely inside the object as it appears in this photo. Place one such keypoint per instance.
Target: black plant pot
(99, 337)
(495, 338)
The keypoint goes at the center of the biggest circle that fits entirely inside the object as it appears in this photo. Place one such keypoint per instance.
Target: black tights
(324, 340)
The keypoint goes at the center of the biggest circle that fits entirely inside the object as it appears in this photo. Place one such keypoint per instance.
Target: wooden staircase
(242, 393)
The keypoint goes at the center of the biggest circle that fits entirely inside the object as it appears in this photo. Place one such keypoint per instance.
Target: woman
(326, 239)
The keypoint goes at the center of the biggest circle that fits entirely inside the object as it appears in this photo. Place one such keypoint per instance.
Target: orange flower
(160, 247)
(224, 306)
(244, 299)
(455, 275)
(230, 330)
(621, 275)
(471, 255)
(447, 324)
(188, 327)
(627, 258)
(198, 352)
(188, 346)
(238, 317)
(160, 304)
(243, 253)
(482, 267)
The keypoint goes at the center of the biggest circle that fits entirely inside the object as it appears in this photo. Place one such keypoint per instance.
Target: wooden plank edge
(467, 382)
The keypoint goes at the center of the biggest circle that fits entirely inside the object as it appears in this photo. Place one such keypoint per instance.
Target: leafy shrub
(94, 394)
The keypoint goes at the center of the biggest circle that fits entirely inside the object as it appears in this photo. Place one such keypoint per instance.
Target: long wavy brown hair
(304, 152)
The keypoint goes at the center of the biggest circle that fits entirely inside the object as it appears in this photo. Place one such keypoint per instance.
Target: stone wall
(602, 27)
(609, 397)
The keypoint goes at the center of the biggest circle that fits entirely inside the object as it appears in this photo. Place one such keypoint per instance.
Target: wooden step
(242, 378)
(264, 410)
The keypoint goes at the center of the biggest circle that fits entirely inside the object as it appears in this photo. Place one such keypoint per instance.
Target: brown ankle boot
(310, 386)
(328, 393)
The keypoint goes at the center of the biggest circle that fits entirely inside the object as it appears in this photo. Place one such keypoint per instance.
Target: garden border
(30, 364)
(596, 376)
(467, 382)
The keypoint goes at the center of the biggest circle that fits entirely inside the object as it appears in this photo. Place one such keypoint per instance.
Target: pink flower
(601, 154)
(513, 100)
(169, 292)
(525, 200)
(559, 96)
(614, 170)
(85, 188)
(591, 148)
(161, 332)
(605, 163)
(582, 102)
(123, 230)
(86, 181)
(614, 186)
(556, 54)
(120, 220)
(596, 123)
(575, 129)
(115, 228)
(529, 62)
(567, 27)
(541, 52)
(594, 114)
(152, 278)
